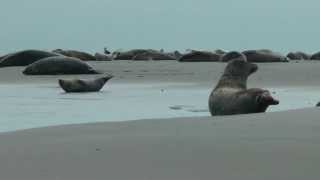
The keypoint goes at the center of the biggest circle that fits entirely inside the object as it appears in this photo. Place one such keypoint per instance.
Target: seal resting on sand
(298, 56)
(24, 58)
(200, 56)
(153, 55)
(102, 57)
(231, 96)
(76, 54)
(78, 85)
(59, 65)
(232, 55)
(264, 55)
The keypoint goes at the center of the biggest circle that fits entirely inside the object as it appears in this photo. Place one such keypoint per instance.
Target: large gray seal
(59, 65)
(24, 58)
(76, 54)
(79, 85)
(231, 96)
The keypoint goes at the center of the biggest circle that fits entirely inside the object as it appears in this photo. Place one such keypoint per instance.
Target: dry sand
(277, 145)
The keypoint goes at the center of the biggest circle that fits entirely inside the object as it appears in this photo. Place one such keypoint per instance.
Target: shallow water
(35, 105)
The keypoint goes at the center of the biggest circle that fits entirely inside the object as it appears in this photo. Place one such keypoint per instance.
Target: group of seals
(231, 96)
(144, 54)
(78, 85)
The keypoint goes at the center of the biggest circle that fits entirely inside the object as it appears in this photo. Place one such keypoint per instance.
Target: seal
(315, 56)
(200, 56)
(231, 96)
(298, 55)
(129, 55)
(76, 54)
(153, 55)
(102, 57)
(79, 85)
(264, 56)
(59, 65)
(232, 55)
(24, 58)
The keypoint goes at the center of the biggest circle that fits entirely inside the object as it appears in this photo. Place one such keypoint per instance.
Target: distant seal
(153, 55)
(231, 56)
(298, 55)
(102, 57)
(129, 55)
(76, 54)
(264, 56)
(220, 51)
(78, 85)
(231, 96)
(59, 65)
(200, 56)
(24, 58)
(315, 56)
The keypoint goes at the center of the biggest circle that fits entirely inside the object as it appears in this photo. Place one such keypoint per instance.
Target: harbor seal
(298, 55)
(79, 85)
(315, 56)
(231, 96)
(59, 65)
(25, 57)
(264, 56)
(152, 55)
(200, 56)
(76, 54)
(129, 55)
(102, 57)
(231, 55)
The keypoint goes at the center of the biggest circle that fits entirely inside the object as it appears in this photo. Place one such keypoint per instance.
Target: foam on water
(28, 106)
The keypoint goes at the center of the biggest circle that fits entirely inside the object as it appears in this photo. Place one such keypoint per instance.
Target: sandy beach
(151, 122)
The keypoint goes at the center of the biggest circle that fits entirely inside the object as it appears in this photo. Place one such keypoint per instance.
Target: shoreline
(278, 145)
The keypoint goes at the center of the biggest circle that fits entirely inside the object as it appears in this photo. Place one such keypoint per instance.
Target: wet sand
(273, 145)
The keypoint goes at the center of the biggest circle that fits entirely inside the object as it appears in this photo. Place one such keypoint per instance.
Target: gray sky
(90, 25)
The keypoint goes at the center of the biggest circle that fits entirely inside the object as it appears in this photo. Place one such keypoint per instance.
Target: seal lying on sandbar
(231, 96)
(59, 65)
(24, 58)
(78, 85)
(76, 54)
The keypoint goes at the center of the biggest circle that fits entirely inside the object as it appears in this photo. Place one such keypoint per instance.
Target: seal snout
(254, 68)
(108, 77)
(266, 98)
(61, 82)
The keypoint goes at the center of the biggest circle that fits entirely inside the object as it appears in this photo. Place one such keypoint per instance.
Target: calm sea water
(281, 25)
(46, 104)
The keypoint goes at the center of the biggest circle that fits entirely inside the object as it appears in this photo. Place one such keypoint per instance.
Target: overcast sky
(90, 25)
